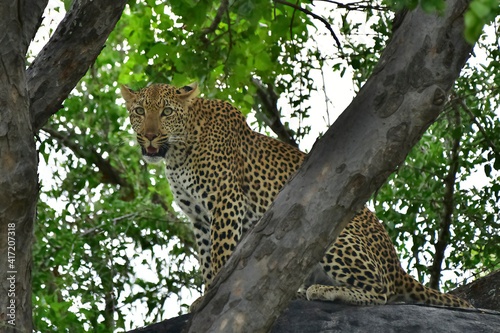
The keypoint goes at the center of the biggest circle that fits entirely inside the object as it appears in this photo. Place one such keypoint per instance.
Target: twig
(272, 116)
(361, 5)
(449, 206)
(479, 126)
(217, 19)
(326, 95)
(308, 12)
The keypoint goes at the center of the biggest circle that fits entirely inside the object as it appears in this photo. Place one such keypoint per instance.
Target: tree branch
(63, 61)
(484, 292)
(270, 113)
(448, 204)
(479, 126)
(31, 11)
(110, 175)
(317, 17)
(360, 5)
(215, 23)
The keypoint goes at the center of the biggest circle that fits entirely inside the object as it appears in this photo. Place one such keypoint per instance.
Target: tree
(29, 97)
(103, 212)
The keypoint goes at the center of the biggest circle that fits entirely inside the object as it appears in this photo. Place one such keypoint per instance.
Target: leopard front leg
(226, 230)
(346, 294)
(224, 236)
(202, 235)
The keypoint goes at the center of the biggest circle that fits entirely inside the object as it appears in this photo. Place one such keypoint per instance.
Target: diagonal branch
(215, 23)
(448, 204)
(479, 126)
(110, 175)
(31, 12)
(68, 54)
(271, 113)
(317, 17)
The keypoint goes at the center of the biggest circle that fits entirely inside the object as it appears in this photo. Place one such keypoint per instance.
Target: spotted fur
(224, 176)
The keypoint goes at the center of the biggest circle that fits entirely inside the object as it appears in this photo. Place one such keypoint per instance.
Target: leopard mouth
(154, 152)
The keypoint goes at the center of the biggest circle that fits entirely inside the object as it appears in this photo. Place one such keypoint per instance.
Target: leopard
(224, 177)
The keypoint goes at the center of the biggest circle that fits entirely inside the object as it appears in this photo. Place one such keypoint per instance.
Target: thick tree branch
(326, 317)
(71, 50)
(271, 114)
(317, 17)
(31, 12)
(404, 95)
(18, 175)
(484, 292)
(448, 205)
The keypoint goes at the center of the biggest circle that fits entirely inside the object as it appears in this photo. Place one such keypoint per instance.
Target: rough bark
(317, 317)
(18, 175)
(401, 99)
(27, 100)
(69, 53)
(31, 12)
(303, 317)
(483, 293)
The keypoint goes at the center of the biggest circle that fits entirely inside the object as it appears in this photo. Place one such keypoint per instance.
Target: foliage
(480, 12)
(109, 241)
(416, 192)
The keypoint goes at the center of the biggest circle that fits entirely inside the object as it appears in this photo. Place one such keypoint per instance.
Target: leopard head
(158, 115)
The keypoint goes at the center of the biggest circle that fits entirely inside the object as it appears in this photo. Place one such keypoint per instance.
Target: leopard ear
(189, 92)
(128, 94)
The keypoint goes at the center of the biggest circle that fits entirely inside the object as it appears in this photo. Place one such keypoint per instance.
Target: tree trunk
(18, 173)
(405, 94)
(27, 100)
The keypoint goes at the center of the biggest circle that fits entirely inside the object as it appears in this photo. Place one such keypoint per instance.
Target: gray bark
(316, 317)
(370, 139)
(483, 293)
(27, 99)
(18, 175)
(69, 53)
(326, 317)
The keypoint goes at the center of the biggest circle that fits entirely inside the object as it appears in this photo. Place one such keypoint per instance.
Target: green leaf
(480, 9)
(487, 170)
(480, 13)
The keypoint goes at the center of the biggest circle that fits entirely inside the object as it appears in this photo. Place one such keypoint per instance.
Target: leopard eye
(167, 111)
(139, 111)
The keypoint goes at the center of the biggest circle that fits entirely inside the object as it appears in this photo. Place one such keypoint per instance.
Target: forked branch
(215, 23)
(317, 17)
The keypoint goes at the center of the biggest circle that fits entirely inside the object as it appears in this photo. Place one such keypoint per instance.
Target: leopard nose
(150, 136)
